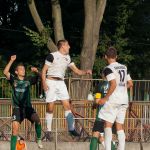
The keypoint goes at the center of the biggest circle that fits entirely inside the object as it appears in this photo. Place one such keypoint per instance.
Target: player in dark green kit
(21, 101)
(98, 128)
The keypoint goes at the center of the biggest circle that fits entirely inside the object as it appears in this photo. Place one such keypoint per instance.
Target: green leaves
(39, 39)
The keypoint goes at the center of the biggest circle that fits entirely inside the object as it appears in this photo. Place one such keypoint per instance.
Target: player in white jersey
(116, 100)
(54, 86)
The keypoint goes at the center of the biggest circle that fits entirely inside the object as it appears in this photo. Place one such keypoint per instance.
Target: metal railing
(135, 130)
(137, 123)
(76, 86)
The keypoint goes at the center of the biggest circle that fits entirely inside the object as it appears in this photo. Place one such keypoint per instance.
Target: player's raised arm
(7, 68)
(76, 70)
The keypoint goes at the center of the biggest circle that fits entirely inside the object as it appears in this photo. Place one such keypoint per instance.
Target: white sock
(108, 138)
(49, 118)
(121, 140)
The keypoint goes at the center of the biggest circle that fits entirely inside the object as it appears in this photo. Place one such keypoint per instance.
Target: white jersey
(118, 72)
(58, 64)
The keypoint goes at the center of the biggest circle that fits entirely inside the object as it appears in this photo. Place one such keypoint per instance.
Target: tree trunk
(94, 10)
(57, 20)
(37, 20)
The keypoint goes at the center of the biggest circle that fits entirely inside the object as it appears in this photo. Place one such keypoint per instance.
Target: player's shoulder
(50, 57)
(107, 70)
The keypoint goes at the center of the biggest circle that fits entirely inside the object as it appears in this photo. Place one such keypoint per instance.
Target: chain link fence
(136, 130)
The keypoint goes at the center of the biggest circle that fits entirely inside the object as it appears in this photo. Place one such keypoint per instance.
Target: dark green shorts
(19, 114)
(98, 126)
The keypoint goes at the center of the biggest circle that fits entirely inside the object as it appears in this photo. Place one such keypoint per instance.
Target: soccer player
(98, 128)
(53, 73)
(116, 100)
(21, 101)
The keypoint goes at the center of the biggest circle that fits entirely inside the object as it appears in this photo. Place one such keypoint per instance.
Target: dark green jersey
(21, 91)
(102, 88)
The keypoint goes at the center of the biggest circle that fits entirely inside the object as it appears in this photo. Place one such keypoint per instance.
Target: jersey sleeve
(128, 77)
(108, 73)
(49, 59)
(12, 78)
(71, 64)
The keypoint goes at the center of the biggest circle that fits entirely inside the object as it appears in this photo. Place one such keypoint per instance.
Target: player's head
(20, 70)
(111, 53)
(21, 140)
(63, 46)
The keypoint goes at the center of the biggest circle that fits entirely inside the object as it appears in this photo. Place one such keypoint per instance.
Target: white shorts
(113, 112)
(57, 90)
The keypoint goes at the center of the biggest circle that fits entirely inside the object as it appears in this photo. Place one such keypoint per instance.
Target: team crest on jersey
(66, 59)
(15, 84)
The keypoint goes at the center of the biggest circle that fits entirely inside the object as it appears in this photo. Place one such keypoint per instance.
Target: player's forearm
(130, 84)
(81, 72)
(43, 77)
(7, 68)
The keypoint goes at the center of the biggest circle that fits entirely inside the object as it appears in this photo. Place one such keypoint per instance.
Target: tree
(94, 10)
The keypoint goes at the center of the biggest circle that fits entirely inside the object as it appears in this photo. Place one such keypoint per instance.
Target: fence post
(69, 86)
(56, 141)
(142, 140)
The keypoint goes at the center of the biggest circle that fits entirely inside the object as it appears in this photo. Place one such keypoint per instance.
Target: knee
(35, 118)
(49, 111)
(49, 108)
(15, 131)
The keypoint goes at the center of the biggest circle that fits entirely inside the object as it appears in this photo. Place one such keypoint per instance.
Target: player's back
(119, 95)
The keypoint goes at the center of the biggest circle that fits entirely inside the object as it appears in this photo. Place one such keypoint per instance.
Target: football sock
(121, 139)
(108, 138)
(38, 130)
(49, 118)
(93, 143)
(70, 120)
(13, 142)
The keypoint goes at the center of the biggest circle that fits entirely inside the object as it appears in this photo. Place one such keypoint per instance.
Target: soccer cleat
(39, 142)
(48, 135)
(74, 133)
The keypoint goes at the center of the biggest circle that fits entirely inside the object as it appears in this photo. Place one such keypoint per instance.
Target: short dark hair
(111, 52)
(19, 64)
(60, 43)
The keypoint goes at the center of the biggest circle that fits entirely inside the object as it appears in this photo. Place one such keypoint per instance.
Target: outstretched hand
(34, 69)
(101, 101)
(89, 72)
(13, 58)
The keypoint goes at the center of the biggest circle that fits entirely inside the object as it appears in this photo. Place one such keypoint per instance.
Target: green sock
(13, 142)
(113, 147)
(38, 130)
(93, 143)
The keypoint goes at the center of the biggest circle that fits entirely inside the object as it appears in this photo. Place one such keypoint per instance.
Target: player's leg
(121, 136)
(17, 117)
(34, 118)
(63, 95)
(51, 96)
(49, 116)
(94, 140)
(108, 113)
(15, 129)
(119, 126)
(97, 135)
(108, 135)
(69, 117)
